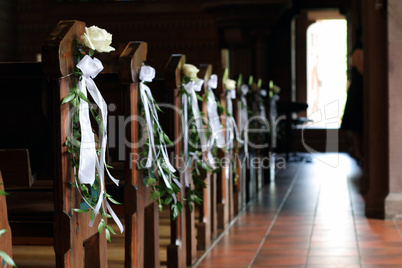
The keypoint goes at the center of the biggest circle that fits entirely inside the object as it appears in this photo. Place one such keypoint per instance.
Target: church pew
(253, 173)
(42, 214)
(172, 236)
(71, 230)
(176, 250)
(141, 214)
(243, 156)
(207, 221)
(238, 184)
(121, 91)
(224, 182)
(26, 154)
(5, 239)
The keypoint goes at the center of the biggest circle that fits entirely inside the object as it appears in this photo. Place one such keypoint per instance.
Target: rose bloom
(190, 71)
(147, 73)
(97, 39)
(230, 84)
(276, 89)
(254, 87)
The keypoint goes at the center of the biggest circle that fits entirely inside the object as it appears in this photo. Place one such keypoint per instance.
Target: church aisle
(312, 216)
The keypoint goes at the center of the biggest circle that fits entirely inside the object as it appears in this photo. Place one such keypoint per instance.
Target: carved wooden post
(176, 251)
(141, 214)
(208, 206)
(224, 181)
(242, 118)
(5, 241)
(70, 229)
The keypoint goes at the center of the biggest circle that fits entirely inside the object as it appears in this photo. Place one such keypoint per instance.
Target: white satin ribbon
(273, 113)
(88, 158)
(214, 121)
(191, 87)
(147, 74)
(230, 122)
(263, 93)
(243, 115)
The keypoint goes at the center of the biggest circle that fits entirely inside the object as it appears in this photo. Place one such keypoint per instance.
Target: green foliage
(90, 194)
(161, 192)
(193, 195)
(7, 259)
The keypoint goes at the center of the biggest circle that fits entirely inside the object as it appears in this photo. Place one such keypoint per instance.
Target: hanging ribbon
(243, 116)
(191, 87)
(263, 93)
(230, 122)
(273, 113)
(88, 158)
(214, 121)
(147, 74)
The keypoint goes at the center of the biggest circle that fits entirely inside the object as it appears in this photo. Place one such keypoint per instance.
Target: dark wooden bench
(225, 183)
(207, 210)
(141, 214)
(42, 198)
(177, 249)
(5, 239)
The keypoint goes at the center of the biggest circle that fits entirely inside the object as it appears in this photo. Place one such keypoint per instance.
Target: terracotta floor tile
(272, 252)
(390, 251)
(286, 260)
(321, 224)
(333, 252)
(333, 244)
(333, 260)
(381, 260)
(380, 266)
(334, 266)
(277, 266)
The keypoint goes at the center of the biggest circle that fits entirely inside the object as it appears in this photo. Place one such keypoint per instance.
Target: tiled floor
(311, 216)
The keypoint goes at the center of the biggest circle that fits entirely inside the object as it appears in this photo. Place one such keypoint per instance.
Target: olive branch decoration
(93, 39)
(165, 187)
(198, 163)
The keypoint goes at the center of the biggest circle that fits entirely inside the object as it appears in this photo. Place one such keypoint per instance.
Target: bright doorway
(326, 71)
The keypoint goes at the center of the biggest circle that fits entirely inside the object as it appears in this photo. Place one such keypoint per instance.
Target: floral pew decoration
(155, 151)
(232, 132)
(88, 153)
(231, 126)
(195, 135)
(243, 114)
(216, 139)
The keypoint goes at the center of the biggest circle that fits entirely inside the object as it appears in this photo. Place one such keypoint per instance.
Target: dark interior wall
(168, 27)
(7, 29)
(279, 56)
(257, 33)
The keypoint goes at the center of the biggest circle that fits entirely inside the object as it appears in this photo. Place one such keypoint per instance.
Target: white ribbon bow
(147, 74)
(88, 158)
(230, 122)
(191, 87)
(263, 93)
(243, 115)
(214, 121)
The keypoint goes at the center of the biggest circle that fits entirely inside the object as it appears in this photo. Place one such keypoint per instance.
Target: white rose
(190, 71)
(97, 39)
(230, 84)
(276, 89)
(147, 73)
